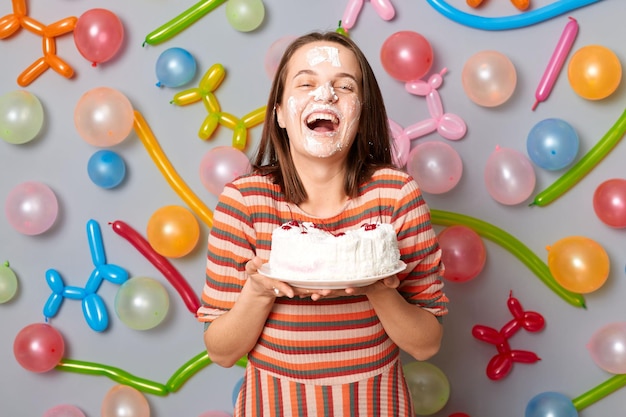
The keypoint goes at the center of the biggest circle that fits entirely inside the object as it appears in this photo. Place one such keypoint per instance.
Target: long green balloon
(513, 245)
(182, 21)
(597, 393)
(116, 374)
(190, 368)
(584, 165)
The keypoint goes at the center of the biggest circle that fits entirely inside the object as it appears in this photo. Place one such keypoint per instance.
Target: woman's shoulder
(391, 176)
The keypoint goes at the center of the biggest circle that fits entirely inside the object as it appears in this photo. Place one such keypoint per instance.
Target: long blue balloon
(509, 22)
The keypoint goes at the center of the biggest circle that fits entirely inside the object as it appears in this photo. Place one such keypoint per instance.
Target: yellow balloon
(579, 264)
(594, 72)
(173, 231)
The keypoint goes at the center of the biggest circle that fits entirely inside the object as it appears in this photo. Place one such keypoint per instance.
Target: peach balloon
(489, 78)
(103, 117)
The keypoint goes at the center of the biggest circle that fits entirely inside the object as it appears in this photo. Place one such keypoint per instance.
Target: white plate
(328, 284)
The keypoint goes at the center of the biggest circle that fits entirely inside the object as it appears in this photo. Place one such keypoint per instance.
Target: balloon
(21, 117)
(94, 310)
(515, 21)
(406, 56)
(609, 202)
(607, 347)
(160, 262)
(103, 117)
(8, 283)
(158, 157)
(552, 144)
(436, 167)
(245, 15)
(221, 165)
(204, 92)
(236, 391)
(599, 391)
(383, 8)
(401, 142)
(173, 231)
(463, 253)
(550, 404)
(448, 125)
(31, 207)
(115, 374)
(98, 35)
(514, 246)
(275, 53)
(142, 303)
(64, 410)
(579, 264)
(190, 368)
(175, 67)
(584, 165)
(509, 176)
(556, 62)
(594, 72)
(38, 347)
(124, 401)
(489, 78)
(182, 21)
(428, 385)
(106, 169)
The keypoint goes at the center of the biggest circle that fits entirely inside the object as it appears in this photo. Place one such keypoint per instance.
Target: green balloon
(245, 15)
(429, 387)
(8, 283)
(142, 303)
(21, 117)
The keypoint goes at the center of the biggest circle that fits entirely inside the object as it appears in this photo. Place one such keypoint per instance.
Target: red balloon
(406, 56)
(609, 202)
(38, 347)
(463, 253)
(98, 35)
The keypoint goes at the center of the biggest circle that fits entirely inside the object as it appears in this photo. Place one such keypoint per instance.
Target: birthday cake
(310, 252)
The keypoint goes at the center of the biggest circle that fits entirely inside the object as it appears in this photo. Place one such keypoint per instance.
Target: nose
(325, 93)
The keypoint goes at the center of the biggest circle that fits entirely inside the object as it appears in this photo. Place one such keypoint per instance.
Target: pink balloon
(221, 165)
(103, 117)
(607, 347)
(436, 166)
(401, 144)
(609, 202)
(31, 208)
(275, 53)
(406, 56)
(509, 176)
(125, 401)
(489, 78)
(38, 347)
(98, 35)
(64, 410)
(463, 253)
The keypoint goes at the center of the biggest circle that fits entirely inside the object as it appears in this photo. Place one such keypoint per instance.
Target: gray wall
(58, 157)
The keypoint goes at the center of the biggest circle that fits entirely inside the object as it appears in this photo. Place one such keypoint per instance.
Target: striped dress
(330, 357)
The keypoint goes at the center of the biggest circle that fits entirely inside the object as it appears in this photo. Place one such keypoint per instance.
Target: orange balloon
(594, 72)
(579, 264)
(173, 231)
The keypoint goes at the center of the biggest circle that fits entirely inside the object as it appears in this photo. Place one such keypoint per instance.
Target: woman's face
(321, 103)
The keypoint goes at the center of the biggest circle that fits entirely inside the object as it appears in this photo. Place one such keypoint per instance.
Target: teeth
(322, 116)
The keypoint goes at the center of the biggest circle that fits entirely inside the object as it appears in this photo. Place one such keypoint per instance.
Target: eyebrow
(311, 72)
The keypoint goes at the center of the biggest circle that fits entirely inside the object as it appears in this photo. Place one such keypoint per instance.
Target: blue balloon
(106, 169)
(175, 67)
(552, 144)
(550, 404)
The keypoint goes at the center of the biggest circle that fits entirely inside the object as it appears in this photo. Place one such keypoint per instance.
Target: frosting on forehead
(319, 54)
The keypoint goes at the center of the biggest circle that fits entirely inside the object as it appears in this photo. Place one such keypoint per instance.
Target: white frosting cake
(308, 251)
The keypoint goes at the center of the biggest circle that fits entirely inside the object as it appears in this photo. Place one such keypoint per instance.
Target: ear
(279, 116)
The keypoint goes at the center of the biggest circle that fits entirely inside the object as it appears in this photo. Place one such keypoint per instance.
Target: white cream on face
(324, 92)
(321, 54)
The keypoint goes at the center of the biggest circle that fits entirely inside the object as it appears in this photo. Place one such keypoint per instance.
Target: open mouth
(322, 122)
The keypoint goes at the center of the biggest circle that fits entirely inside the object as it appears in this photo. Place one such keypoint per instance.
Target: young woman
(324, 157)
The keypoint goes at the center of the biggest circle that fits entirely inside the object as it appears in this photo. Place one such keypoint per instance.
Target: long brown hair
(371, 148)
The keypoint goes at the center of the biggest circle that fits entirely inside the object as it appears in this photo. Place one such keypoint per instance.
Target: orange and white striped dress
(330, 357)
